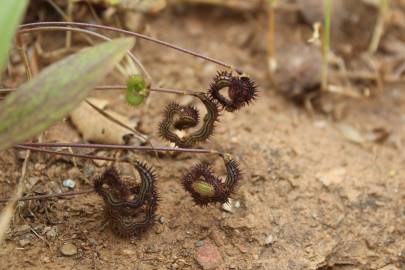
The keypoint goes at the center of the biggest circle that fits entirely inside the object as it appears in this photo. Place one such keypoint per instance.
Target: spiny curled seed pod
(206, 188)
(129, 208)
(137, 90)
(188, 118)
(241, 90)
(184, 117)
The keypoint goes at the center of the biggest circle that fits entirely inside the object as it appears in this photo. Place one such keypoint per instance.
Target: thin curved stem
(120, 87)
(93, 157)
(53, 195)
(84, 31)
(134, 34)
(120, 147)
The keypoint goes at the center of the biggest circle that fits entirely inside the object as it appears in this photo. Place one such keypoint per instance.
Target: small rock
(208, 256)
(269, 240)
(159, 229)
(334, 176)
(51, 233)
(93, 241)
(128, 252)
(69, 183)
(298, 71)
(242, 248)
(199, 243)
(237, 204)
(152, 249)
(24, 242)
(162, 220)
(228, 206)
(68, 249)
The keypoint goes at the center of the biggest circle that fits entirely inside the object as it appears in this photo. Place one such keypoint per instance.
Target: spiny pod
(206, 188)
(129, 208)
(241, 90)
(137, 90)
(183, 117)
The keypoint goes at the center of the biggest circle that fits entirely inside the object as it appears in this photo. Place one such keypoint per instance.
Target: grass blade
(11, 13)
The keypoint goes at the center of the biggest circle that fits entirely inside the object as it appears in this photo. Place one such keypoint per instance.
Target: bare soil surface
(310, 198)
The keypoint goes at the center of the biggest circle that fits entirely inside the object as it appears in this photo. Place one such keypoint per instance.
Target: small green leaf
(136, 90)
(11, 13)
(56, 91)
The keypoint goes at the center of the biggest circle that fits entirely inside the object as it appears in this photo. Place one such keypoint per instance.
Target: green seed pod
(137, 90)
(204, 189)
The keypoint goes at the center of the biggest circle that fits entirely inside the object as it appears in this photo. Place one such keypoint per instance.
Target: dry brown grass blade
(8, 211)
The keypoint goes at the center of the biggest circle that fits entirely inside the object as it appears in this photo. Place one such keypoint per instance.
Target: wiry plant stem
(120, 147)
(53, 195)
(129, 33)
(122, 87)
(84, 31)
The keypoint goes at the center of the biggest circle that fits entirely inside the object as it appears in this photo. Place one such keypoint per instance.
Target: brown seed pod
(241, 90)
(184, 117)
(129, 208)
(206, 188)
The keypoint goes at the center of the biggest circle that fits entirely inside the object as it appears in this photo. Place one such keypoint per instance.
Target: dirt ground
(310, 197)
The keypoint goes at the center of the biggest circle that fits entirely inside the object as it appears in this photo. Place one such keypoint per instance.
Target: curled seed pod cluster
(129, 208)
(206, 188)
(241, 90)
(184, 117)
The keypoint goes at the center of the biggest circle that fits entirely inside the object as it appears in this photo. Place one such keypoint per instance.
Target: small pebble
(159, 229)
(24, 242)
(69, 183)
(227, 207)
(162, 220)
(199, 243)
(51, 233)
(128, 252)
(93, 241)
(208, 256)
(68, 249)
(269, 240)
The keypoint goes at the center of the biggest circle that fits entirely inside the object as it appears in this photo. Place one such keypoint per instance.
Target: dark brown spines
(128, 217)
(188, 118)
(184, 117)
(206, 188)
(210, 189)
(241, 90)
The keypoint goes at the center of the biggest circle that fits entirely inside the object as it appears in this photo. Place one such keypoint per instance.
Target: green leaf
(56, 91)
(136, 90)
(11, 13)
